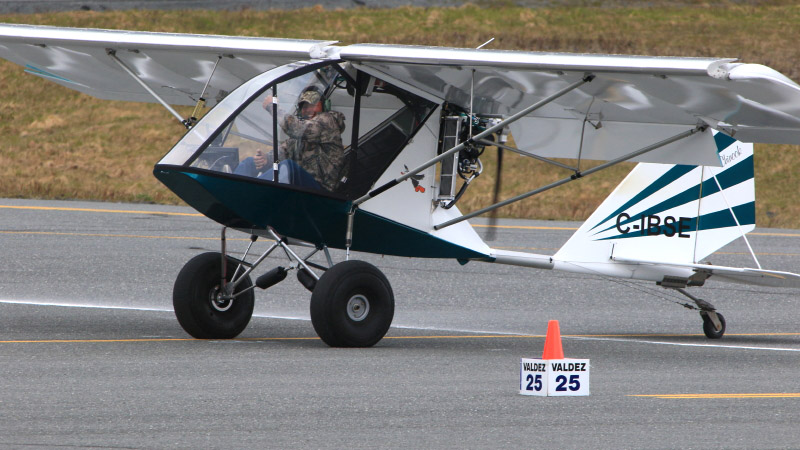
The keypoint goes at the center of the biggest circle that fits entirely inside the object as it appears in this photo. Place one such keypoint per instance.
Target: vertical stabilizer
(671, 213)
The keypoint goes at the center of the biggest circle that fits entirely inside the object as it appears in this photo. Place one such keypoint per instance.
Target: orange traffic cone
(552, 342)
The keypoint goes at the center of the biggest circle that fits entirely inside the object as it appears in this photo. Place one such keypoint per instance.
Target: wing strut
(530, 155)
(575, 176)
(201, 102)
(113, 54)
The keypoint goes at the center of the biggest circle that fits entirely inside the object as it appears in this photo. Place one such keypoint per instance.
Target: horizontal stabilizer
(758, 277)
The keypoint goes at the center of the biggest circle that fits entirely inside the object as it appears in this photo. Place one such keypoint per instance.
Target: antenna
(484, 44)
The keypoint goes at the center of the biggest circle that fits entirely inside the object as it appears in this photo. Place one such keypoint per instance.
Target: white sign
(553, 377)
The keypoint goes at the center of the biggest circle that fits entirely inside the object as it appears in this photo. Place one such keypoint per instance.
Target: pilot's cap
(311, 97)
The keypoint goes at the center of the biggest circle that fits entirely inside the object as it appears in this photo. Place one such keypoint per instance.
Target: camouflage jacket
(316, 145)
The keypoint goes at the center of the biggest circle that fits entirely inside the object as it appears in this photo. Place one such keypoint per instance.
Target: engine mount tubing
(586, 79)
(575, 176)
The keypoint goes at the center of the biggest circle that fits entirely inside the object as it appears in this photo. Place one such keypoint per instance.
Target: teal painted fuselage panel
(247, 203)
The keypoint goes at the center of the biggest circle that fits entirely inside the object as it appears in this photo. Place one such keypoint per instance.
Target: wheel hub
(218, 302)
(357, 308)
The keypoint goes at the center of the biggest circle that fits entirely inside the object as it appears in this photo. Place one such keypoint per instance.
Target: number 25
(534, 384)
(574, 383)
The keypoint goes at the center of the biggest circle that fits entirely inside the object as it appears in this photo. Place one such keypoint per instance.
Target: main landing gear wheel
(198, 304)
(352, 305)
(710, 329)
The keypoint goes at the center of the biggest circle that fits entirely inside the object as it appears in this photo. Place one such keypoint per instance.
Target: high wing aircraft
(369, 147)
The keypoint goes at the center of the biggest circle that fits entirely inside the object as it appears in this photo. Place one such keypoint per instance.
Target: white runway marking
(79, 305)
(425, 328)
(685, 344)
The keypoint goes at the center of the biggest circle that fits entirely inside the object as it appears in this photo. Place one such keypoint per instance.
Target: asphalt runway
(91, 355)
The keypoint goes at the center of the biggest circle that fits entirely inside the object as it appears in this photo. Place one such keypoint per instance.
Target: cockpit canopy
(317, 126)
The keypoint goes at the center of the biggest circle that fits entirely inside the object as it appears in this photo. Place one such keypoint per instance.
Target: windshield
(186, 148)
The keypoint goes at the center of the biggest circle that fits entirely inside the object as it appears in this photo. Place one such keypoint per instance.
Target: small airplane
(427, 115)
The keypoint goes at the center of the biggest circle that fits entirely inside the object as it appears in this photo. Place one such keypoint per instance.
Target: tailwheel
(710, 328)
(201, 306)
(713, 322)
(352, 305)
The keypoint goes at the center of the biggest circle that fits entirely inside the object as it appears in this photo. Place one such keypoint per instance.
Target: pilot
(315, 139)
(313, 154)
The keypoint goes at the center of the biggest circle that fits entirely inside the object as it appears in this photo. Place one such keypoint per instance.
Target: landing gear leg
(713, 322)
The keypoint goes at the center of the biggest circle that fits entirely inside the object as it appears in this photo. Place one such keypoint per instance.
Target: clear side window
(389, 117)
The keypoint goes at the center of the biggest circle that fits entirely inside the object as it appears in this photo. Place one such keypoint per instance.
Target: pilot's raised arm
(326, 126)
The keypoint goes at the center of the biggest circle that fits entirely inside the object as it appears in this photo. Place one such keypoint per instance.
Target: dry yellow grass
(60, 144)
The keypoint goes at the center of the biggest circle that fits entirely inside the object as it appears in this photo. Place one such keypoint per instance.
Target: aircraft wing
(634, 101)
(175, 66)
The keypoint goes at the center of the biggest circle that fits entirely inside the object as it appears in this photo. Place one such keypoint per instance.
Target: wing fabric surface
(634, 101)
(175, 66)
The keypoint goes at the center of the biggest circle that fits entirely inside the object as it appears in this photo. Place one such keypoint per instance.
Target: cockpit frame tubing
(356, 121)
(275, 149)
(489, 131)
